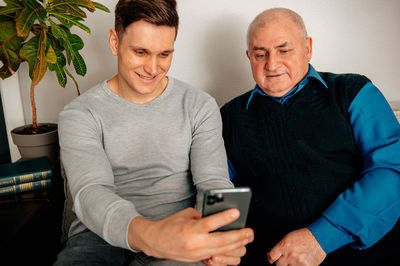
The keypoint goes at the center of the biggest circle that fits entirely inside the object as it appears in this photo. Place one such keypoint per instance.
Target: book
(19, 188)
(25, 171)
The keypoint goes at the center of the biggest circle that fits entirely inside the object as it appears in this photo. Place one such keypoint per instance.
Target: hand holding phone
(217, 200)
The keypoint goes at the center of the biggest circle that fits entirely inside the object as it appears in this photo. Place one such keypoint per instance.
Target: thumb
(215, 221)
(274, 254)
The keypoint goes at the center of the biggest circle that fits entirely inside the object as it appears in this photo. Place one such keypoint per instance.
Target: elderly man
(321, 152)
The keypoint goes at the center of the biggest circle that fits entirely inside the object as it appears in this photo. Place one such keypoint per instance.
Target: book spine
(14, 180)
(25, 187)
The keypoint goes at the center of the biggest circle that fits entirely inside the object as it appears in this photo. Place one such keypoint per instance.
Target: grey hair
(274, 15)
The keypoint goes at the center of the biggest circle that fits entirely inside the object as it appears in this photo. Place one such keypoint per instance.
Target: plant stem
(33, 105)
(73, 79)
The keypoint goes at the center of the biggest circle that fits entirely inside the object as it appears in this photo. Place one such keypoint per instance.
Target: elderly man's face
(279, 56)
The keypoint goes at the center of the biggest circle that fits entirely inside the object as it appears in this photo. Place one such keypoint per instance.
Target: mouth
(146, 77)
(273, 75)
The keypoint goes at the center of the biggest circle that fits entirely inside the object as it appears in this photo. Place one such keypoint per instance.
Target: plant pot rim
(15, 130)
(38, 139)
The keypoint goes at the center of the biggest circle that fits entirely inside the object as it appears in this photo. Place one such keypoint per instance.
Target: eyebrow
(147, 50)
(260, 48)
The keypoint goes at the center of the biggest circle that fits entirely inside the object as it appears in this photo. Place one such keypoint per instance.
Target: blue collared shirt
(310, 74)
(363, 214)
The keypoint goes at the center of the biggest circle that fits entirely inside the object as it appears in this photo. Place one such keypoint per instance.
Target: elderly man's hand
(297, 248)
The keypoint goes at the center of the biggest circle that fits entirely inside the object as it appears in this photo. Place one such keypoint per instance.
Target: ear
(113, 41)
(247, 53)
(309, 48)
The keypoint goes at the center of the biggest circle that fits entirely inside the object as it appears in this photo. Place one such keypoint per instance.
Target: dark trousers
(87, 248)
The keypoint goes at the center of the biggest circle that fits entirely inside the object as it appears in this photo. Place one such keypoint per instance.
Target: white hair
(274, 15)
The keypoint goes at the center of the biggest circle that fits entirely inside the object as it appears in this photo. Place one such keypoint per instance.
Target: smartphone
(217, 200)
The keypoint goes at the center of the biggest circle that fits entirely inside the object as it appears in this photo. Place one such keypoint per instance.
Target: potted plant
(38, 32)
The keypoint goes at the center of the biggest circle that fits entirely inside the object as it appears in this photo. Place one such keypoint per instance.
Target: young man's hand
(186, 236)
(230, 258)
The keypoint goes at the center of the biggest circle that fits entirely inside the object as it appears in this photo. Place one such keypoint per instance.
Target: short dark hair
(157, 12)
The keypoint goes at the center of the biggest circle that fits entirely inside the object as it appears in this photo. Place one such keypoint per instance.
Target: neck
(124, 90)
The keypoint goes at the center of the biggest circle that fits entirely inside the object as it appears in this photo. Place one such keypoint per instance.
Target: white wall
(360, 36)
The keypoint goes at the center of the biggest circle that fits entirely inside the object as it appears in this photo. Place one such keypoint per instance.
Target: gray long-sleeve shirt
(124, 159)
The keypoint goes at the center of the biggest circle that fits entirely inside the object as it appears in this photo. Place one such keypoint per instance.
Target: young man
(137, 149)
(321, 152)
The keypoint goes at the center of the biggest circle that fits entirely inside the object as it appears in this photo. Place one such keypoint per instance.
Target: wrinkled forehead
(275, 33)
(275, 22)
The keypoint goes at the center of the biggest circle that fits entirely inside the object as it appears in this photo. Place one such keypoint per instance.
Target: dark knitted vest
(297, 157)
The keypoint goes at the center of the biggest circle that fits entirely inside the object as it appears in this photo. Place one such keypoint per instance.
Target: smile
(273, 75)
(145, 77)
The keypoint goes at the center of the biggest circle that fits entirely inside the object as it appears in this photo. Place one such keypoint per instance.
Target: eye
(285, 51)
(139, 52)
(259, 56)
(164, 55)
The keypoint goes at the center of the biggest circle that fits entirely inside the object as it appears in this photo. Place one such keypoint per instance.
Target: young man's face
(279, 56)
(144, 57)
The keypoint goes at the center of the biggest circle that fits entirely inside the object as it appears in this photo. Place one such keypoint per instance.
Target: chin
(147, 91)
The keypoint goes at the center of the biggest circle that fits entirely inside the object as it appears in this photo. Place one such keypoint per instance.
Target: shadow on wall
(226, 65)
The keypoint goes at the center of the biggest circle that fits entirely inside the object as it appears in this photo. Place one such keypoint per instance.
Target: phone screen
(217, 200)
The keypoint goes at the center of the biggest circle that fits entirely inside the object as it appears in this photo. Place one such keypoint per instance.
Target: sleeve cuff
(126, 238)
(117, 224)
(329, 237)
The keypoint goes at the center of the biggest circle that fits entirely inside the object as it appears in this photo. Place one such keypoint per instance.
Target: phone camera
(211, 199)
(220, 197)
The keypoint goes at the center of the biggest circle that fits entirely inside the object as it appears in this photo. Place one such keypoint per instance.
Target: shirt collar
(312, 73)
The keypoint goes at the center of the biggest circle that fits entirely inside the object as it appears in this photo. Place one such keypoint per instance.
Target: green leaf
(72, 10)
(79, 64)
(34, 4)
(72, 44)
(11, 8)
(10, 45)
(85, 3)
(58, 67)
(51, 57)
(12, 2)
(34, 51)
(101, 7)
(70, 21)
(76, 42)
(57, 31)
(41, 62)
(73, 79)
(32, 11)
(62, 34)
(55, 43)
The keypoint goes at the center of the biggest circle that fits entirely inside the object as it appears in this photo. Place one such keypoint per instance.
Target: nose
(151, 65)
(272, 62)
